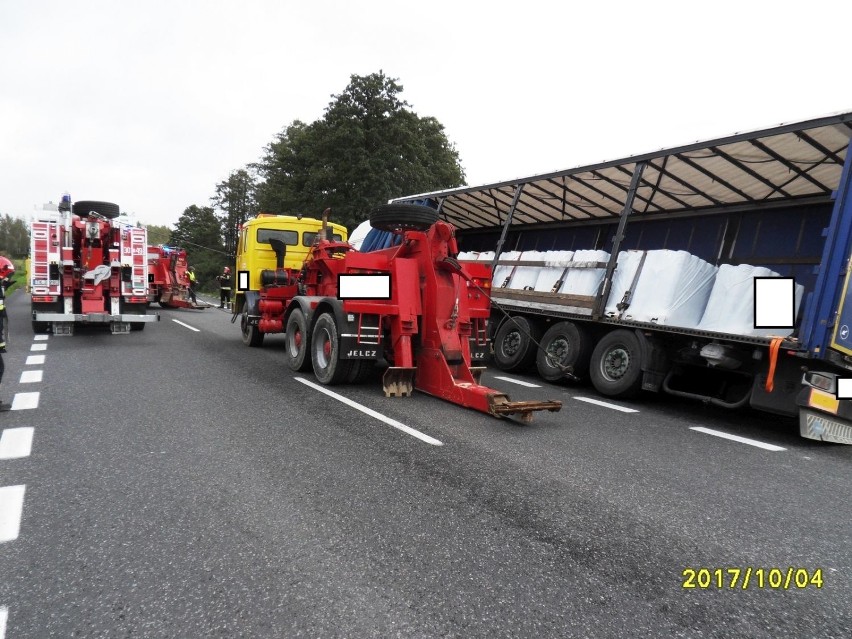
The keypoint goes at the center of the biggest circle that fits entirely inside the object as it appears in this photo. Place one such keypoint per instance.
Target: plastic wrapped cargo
(730, 308)
(524, 277)
(585, 281)
(672, 288)
(555, 264)
(503, 274)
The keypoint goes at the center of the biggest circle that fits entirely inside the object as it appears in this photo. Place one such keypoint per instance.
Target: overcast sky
(151, 104)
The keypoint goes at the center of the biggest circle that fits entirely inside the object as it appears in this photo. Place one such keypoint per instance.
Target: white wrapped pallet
(501, 273)
(525, 277)
(549, 275)
(468, 255)
(672, 287)
(585, 281)
(730, 308)
(622, 279)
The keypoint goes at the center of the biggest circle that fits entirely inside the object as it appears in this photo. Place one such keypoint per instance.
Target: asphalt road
(180, 484)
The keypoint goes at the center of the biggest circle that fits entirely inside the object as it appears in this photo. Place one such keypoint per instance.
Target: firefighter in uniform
(7, 270)
(225, 288)
(190, 274)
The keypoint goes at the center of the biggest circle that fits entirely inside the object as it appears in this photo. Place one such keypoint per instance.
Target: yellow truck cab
(255, 253)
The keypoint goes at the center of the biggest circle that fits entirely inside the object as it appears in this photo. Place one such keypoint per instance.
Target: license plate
(823, 401)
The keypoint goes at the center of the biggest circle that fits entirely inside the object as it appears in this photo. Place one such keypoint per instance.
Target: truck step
(119, 328)
(63, 328)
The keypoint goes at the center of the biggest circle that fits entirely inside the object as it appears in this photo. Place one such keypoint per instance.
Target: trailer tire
(514, 348)
(569, 345)
(616, 368)
(41, 327)
(329, 368)
(403, 217)
(106, 209)
(251, 334)
(137, 326)
(298, 342)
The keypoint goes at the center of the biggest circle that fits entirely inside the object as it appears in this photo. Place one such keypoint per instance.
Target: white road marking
(40, 338)
(372, 413)
(38, 347)
(24, 401)
(28, 377)
(11, 507)
(16, 443)
(598, 402)
(737, 438)
(517, 381)
(35, 359)
(4, 614)
(192, 328)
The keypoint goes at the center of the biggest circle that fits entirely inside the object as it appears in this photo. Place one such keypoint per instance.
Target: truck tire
(567, 344)
(329, 368)
(514, 348)
(106, 209)
(361, 371)
(298, 342)
(616, 367)
(403, 217)
(40, 327)
(251, 334)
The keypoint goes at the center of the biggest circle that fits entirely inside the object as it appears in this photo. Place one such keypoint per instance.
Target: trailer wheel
(251, 334)
(106, 209)
(514, 348)
(616, 368)
(40, 327)
(329, 368)
(403, 217)
(137, 326)
(298, 342)
(563, 344)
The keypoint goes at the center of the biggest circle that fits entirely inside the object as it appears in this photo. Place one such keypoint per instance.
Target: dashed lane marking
(737, 438)
(24, 401)
(192, 328)
(598, 402)
(28, 377)
(11, 508)
(369, 411)
(38, 347)
(16, 443)
(4, 615)
(40, 338)
(35, 359)
(517, 381)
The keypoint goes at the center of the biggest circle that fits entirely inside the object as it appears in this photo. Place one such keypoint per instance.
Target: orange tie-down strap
(774, 347)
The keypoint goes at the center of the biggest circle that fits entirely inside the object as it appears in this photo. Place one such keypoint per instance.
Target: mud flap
(398, 381)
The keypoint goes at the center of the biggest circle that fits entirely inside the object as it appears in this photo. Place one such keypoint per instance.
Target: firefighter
(190, 274)
(7, 270)
(225, 288)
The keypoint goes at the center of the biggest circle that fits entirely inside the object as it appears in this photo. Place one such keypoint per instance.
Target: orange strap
(774, 346)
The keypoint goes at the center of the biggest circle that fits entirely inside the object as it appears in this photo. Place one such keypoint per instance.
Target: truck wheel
(84, 207)
(514, 350)
(329, 368)
(298, 342)
(40, 327)
(361, 371)
(564, 344)
(251, 334)
(403, 217)
(616, 368)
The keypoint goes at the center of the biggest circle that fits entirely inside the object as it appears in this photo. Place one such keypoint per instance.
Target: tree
(158, 234)
(199, 231)
(368, 147)
(236, 198)
(14, 237)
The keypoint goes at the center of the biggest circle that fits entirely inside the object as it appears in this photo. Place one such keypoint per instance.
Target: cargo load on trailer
(715, 271)
(168, 283)
(87, 267)
(342, 311)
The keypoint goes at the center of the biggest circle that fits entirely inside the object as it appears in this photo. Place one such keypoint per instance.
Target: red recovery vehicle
(412, 304)
(168, 283)
(87, 267)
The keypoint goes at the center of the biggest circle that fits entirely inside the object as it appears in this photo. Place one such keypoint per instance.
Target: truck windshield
(308, 238)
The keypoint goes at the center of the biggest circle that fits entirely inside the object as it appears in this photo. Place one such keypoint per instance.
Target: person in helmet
(225, 288)
(190, 275)
(7, 270)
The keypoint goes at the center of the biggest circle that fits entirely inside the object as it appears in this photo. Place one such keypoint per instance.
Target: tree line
(368, 147)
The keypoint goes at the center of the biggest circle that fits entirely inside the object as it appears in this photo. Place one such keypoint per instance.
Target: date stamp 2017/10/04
(751, 577)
